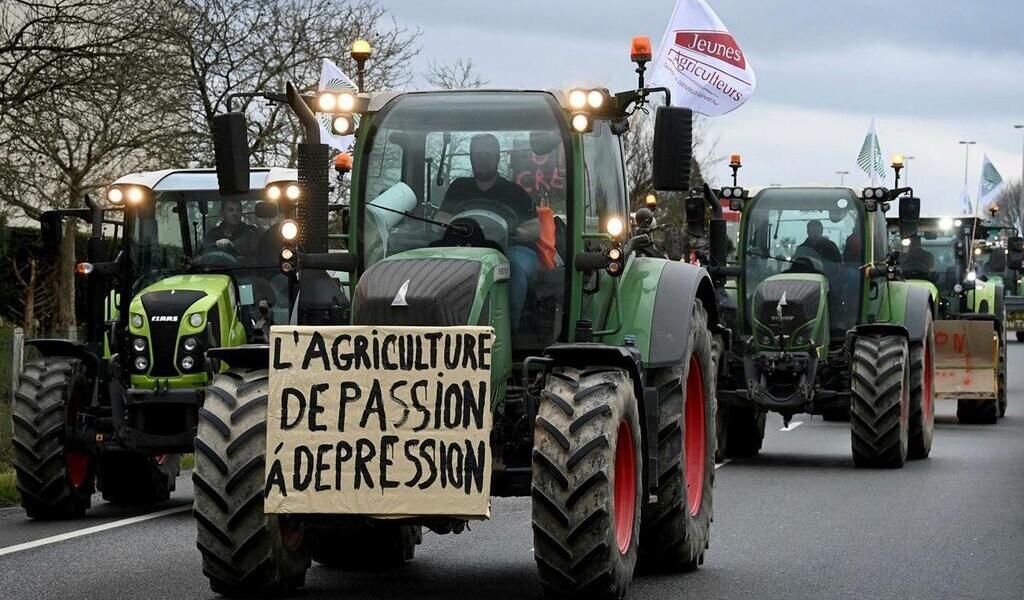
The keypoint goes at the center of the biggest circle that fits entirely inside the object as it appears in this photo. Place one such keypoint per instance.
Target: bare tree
(1011, 205)
(637, 146)
(222, 47)
(459, 75)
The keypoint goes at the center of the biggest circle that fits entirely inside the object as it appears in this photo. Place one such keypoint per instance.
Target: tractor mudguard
(906, 309)
(915, 313)
(249, 356)
(70, 349)
(583, 355)
(657, 298)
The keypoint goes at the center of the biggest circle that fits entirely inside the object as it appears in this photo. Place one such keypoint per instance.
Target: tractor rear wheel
(587, 487)
(880, 401)
(922, 394)
(244, 550)
(376, 547)
(54, 480)
(1001, 375)
(136, 479)
(676, 529)
(744, 430)
(977, 412)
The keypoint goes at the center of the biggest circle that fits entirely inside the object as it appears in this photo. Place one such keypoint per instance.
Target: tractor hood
(790, 311)
(169, 311)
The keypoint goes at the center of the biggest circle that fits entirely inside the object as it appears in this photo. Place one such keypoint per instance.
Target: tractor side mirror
(910, 215)
(51, 231)
(1015, 253)
(265, 210)
(231, 152)
(673, 149)
(695, 216)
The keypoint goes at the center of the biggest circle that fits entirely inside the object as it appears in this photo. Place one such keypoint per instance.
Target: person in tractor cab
(916, 259)
(232, 234)
(826, 248)
(488, 186)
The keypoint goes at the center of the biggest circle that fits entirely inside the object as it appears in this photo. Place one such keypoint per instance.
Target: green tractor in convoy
(164, 282)
(961, 261)
(825, 325)
(506, 209)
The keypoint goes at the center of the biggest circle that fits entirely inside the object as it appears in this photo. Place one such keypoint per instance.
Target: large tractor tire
(587, 487)
(375, 547)
(54, 480)
(676, 529)
(922, 394)
(244, 550)
(1001, 378)
(880, 401)
(744, 430)
(136, 479)
(1020, 336)
(977, 412)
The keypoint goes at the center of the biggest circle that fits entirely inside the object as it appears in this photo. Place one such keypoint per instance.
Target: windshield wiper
(458, 229)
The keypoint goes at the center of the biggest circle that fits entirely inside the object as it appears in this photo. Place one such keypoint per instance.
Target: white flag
(331, 78)
(701, 63)
(870, 157)
(991, 183)
(965, 203)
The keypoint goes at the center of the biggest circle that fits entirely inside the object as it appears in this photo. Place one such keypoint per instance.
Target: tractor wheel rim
(625, 487)
(694, 436)
(77, 465)
(928, 407)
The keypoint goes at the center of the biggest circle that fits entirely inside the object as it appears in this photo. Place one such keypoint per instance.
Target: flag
(701, 63)
(870, 158)
(991, 183)
(965, 203)
(331, 78)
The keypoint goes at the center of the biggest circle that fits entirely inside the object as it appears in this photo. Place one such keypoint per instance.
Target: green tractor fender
(988, 300)
(656, 297)
(905, 312)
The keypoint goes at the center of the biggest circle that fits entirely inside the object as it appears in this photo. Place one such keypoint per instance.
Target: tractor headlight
(115, 195)
(958, 288)
(972, 276)
(905, 242)
(195, 320)
(141, 364)
(580, 123)
(342, 125)
(945, 223)
(766, 340)
(346, 102)
(139, 345)
(289, 230)
(958, 223)
(135, 195)
(615, 227)
(326, 102)
(187, 363)
(273, 193)
(595, 99)
(137, 321)
(190, 344)
(577, 99)
(292, 191)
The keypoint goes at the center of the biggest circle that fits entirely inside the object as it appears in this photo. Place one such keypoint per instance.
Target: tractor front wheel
(880, 401)
(587, 487)
(922, 394)
(54, 480)
(676, 529)
(244, 550)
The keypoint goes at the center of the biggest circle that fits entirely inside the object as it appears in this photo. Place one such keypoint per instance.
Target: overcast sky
(931, 73)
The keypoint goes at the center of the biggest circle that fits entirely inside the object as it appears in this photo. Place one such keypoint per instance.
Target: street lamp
(841, 175)
(1021, 168)
(967, 153)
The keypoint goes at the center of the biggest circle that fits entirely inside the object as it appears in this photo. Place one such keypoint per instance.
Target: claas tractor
(173, 268)
(505, 212)
(825, 325)
(961, 262)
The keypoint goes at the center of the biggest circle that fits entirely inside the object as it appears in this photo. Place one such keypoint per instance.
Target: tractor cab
(937, 258)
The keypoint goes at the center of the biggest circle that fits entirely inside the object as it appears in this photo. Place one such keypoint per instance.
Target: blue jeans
(523, 263)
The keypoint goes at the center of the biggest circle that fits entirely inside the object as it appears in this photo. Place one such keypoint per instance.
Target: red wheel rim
(625, 487)
(927, 401)
(78, 468)
(694, 436)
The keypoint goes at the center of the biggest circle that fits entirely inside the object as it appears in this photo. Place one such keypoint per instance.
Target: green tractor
(172, 270)
(961, 262)
(825, 325)
(602, 402)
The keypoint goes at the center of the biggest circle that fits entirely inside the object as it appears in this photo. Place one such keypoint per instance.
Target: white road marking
(792, 426)
(723, 463)
(96, 529)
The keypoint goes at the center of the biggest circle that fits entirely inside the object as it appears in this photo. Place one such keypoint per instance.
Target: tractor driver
(488, 186)
(232, 234)
(916, 259)
(816, 241)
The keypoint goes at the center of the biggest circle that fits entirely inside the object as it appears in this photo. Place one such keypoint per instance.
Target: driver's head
(814, 229)
(483, 154)
(231, 212)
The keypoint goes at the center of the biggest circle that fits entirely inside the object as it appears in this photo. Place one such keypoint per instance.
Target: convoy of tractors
(619, 367)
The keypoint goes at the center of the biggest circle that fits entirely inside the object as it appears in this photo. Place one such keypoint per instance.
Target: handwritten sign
(966, 357)
(382, 421)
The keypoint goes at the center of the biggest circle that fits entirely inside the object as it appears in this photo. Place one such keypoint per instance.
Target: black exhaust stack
(314, 160)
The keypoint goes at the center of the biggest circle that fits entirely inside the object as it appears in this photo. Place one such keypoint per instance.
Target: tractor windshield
(932, 255)
(484, 169)
(807, 231)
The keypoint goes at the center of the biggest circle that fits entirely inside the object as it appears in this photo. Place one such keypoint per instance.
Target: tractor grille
(164, 310)
(802, 300)
(440, 291)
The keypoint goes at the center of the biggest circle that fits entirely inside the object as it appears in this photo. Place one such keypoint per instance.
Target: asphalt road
(796, 522)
